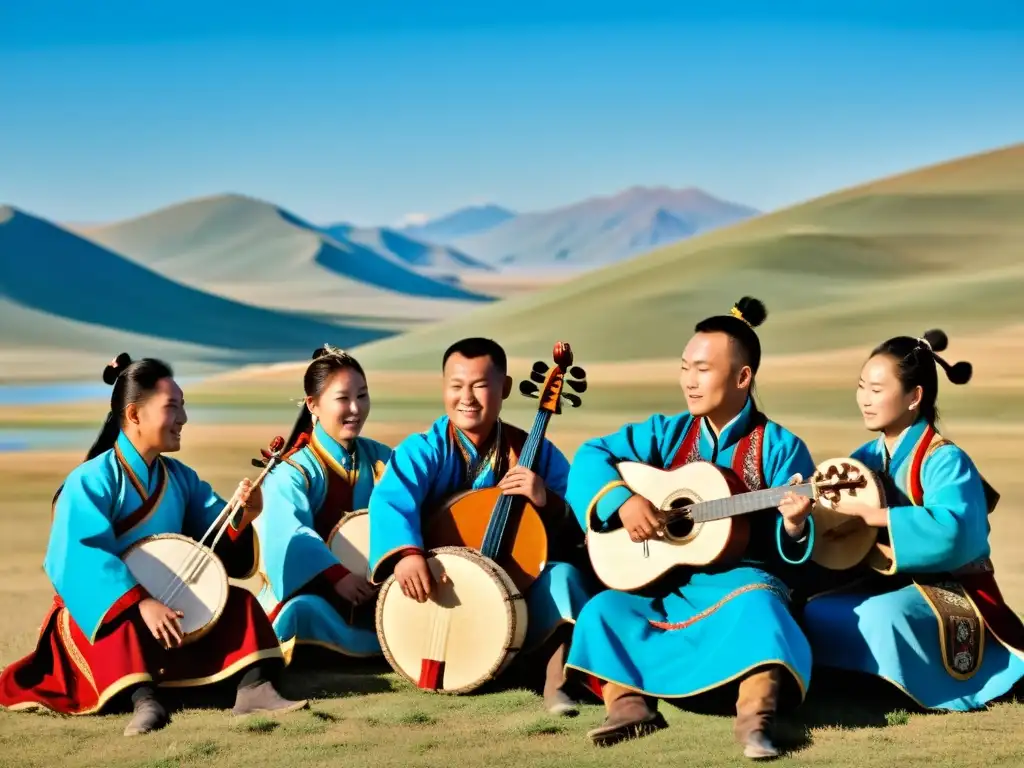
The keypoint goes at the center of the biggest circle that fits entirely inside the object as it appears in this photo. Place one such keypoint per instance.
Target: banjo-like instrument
(484, 549)
(843, 541)
(186, 575)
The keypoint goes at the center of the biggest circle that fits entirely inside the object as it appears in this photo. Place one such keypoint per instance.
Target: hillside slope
(438, 261)
(255, 252)
(59, 291)
(601, 230)
(937, 247)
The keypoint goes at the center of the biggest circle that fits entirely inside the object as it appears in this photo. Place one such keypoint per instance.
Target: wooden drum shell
(488, 621)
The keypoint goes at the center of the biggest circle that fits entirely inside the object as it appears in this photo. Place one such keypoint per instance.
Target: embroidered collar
(345, 459)
(732, 432)
(128, 454)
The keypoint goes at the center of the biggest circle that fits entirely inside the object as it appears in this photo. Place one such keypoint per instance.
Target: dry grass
(372, 718)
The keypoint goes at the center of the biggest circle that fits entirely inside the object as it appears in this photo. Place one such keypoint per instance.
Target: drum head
(156, 563)
(472, 624)
(350, 542)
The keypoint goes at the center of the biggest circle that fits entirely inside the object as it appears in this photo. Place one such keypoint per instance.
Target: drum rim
(196, 634)
(495, 572)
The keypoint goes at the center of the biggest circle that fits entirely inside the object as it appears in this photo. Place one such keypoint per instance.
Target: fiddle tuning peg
(260, 463)
(577, 373)
(528, 388)
(577, 386)
(540, 367)
(562, 354)
(573, 400)
(538, 377)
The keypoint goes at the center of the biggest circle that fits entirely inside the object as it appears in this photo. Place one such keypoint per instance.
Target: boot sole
(602, 738)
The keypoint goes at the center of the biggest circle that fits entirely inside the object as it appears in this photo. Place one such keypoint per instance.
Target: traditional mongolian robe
(695, 631)
(304, 499)
(929, 617)
(93, 642)
(427, 468)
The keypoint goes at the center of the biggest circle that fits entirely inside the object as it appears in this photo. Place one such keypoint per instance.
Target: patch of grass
(898, 717)
(259, 724)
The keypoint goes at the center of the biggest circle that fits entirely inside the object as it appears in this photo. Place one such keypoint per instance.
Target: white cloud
(413, 220)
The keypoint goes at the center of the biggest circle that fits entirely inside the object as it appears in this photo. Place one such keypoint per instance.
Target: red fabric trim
(335, 573)
(131, 598)
(750, 450)
(914, 484)
(405, 552)
(337, 502)
(998, 616)
(689, 447)
(52, 674)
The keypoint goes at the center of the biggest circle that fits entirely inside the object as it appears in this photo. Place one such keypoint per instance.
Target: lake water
(18, 438)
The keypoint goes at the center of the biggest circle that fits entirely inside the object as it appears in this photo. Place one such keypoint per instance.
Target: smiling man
(713, 634)
(470, 448)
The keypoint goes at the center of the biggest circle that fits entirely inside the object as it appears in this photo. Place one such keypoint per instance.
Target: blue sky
(366, 113)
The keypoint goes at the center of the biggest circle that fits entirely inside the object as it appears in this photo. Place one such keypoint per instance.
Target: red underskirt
(69, 675)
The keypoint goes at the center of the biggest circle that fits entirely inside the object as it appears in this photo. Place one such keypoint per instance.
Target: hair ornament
(735, 312)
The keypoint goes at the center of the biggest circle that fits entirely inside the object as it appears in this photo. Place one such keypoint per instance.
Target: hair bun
(937, 340)
(753, 310)
(318, 353)
(960, 373)
(115, 368)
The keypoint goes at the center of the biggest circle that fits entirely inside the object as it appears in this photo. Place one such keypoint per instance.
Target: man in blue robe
(471, 448)
(726, 627)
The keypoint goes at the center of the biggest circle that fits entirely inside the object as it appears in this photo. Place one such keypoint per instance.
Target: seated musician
(726, 627)
(470, 447)
(330, 470)
(105, 636)
(923, 611)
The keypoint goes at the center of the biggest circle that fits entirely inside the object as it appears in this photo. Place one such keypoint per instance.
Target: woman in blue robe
(106, 638)
(727, 627)
(312, 599)
(924, 611)
(471, 448)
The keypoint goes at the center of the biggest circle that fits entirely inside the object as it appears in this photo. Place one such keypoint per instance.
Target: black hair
(326, 362)
(915, 367)
(747, 314)
(133, 383)
(478, 347)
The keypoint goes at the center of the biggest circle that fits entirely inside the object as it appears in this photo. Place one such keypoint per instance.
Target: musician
(307, 592)
(106, 637)
(726, 628)
(470, 447)
(929, 616)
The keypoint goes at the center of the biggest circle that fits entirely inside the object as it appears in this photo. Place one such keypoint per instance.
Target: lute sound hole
(680, 526)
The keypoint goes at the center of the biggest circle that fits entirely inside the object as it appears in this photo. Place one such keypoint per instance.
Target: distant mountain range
(230, 279)
(592, 233)
(464, 222)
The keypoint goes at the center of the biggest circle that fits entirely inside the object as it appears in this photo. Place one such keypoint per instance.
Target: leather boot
(263, 697)
(755, 713)
(556, 700)
(149, 715)
(630, 715)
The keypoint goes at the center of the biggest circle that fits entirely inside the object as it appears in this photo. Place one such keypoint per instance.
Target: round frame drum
(464, 635)
(155, 562)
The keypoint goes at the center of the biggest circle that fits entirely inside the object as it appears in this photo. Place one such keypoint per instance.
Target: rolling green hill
(63, 298)
(249, 250)
(940, 246)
